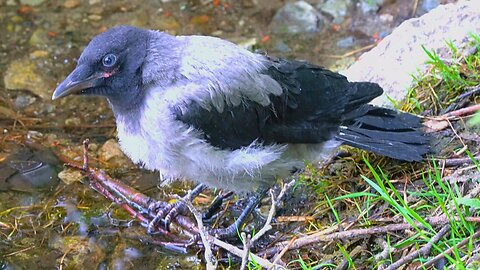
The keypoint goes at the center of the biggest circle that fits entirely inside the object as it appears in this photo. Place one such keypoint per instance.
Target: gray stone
(38, 38)
(32, 2)
(73, 122)
(428, 5)
(297, 17)
(369, 6)
(281, 46)
(22, 101)
(336, 8)
(372, 24)
(346, 42)
(400, 55)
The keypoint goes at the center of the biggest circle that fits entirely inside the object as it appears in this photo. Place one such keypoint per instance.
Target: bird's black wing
(310, 109)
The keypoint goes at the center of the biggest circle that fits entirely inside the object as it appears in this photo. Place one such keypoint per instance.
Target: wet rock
(80, 252)
(374, 25)
(165, 23)
(346, 42)
(23, 74)
(297, 17)
(95, 17)
(38, 38)
(73, 122)
(29, 171)
(249, 3)
(335, 8)
(98, 10)
(16, 19)
(22, 101)
(32, 2)
(70, 176)
(110, 149)
(281, 46)
(400, 54)
(369, 6)
(111, 153)
(200, 19)
(92, 147)
(34, 135)
(39, 54)
(123, 256)
(428, 5)
(71, 4)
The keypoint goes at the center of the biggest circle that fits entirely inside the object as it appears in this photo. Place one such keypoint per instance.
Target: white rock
(400, 55)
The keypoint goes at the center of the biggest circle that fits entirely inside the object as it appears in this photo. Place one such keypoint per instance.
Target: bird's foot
(232, 230)
(212, 211)
(164, 213)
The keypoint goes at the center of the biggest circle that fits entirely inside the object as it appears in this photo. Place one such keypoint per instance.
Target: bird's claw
(166, 212)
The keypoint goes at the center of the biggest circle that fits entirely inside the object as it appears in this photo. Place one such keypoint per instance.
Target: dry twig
(268, 222)
(209, 258)
(246, 249)
(452, 162)
(358, 233)
(386, 250)
(424, 251)
(238, 252)
(451, 249)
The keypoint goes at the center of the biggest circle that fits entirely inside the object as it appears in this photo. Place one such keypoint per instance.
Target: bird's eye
(109, 60)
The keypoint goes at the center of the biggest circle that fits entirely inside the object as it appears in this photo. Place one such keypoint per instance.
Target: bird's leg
(231, 231)
(169, 211)
(215, 206)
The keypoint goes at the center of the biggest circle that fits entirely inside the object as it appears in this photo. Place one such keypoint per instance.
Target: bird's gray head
(110, 66)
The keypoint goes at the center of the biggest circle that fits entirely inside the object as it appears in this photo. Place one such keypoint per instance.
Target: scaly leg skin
(168, 212)
(214, 207)
(232, 230)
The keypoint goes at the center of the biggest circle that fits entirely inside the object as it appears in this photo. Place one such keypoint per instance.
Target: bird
(204, 109)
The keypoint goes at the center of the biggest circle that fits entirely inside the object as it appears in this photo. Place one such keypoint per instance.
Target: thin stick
(464, 148)
(451, 162)
(472, 91)
(415, 6)
(19, 251)
(383, 255)
(238, 252)
(286, 187)
(359, 233)
(451, 249)
(268, 222)
(424, 251)
(464, 111)
(350, 53)
(209, 258)
(246, 249)
(280, 255)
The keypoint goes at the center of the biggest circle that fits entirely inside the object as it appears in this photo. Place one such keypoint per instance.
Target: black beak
(80, 79)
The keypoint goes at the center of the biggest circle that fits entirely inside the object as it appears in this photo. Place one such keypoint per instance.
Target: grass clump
(446, 79)
(361, 191)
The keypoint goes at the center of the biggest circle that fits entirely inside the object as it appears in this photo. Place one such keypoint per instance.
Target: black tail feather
(385, 132)
(361, 93)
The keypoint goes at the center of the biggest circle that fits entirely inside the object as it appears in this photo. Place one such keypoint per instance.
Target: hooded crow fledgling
(202, 108)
